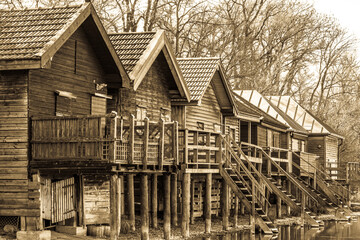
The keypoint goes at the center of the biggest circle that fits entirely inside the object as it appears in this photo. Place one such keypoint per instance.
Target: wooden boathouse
(99, 129)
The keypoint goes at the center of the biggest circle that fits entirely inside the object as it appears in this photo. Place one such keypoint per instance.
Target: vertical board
(63, 195)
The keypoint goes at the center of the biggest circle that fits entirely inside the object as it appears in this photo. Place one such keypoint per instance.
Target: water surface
(331, 230)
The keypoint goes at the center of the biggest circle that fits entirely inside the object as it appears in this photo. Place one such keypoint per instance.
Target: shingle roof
(131, 46)
(198, 73)
(23, 33)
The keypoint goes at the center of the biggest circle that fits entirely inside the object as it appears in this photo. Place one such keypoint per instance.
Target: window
(140, 113)
(200, 125)
(64, 103)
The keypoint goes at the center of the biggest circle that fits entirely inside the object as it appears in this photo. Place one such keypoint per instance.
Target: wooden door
(63, 200)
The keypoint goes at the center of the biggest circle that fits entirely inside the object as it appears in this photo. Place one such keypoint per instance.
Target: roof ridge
(41, 8)
(199, 58)
(130, 33)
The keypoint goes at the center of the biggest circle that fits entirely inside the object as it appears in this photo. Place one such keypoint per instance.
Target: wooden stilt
(236, 211)
(118, 205)
(208, 184)
(113, 207)
(154, 201)
(174, 200)
(225, 205)
(167, 217)
(288, 209)
(144, 210)
(131, 200)
(185, 230)
(278, 202)
(192, 201)
(242, 208)
(252, 215)
(302, 208)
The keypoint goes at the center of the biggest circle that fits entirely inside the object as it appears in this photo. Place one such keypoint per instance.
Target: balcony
(88, 140)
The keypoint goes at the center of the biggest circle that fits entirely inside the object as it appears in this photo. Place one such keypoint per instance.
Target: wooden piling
(131, 200)
(278, 202)
(118, 204)
(288, 209)
(185, 221)
(144, 210)
(236, 211)
(154, 201)
(192, 201)
(167, 203)
(208, 183)
(114, 220)
(225, 205)
(174, 200)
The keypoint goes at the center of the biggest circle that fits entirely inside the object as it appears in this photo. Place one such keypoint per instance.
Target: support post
(162, 145)
(131, 139)
(253, 213)
(144, 210)
(118, 204)
(154, 201)
(302, 209)
(174, 200)
(167, 217)
(114, 220)
(225, 205)
(185, 230)
(192, 201)
(186, 150)
(278, 202)
(208, 183)
(146, 143)
(236, 211)
(131, 200)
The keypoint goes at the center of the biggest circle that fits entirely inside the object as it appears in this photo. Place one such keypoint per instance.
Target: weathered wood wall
(152, 93)
(14, 194)
(97, 199)
(331, 152)
(208, 112)
(74, 68)
(261, 136)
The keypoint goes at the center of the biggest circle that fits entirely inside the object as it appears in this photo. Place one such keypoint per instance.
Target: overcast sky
(346, 11)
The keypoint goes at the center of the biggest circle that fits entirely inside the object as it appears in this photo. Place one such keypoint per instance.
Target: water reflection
(331, 230)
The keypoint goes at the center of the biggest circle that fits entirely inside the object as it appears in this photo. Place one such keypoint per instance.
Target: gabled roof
(262, 103)
(199, 73)
(301, 115)
(266, 119)
(29, 38)
(138, 52)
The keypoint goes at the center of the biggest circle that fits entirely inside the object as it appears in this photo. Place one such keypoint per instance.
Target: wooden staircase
(246, 187)
(271, 184)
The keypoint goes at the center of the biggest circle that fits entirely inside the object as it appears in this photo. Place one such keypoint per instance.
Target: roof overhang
(157, 44)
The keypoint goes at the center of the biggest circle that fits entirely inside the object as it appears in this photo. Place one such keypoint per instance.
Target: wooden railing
(197, 148)
(253, 152)
(107, 138)
(352, 171)
(278, 154)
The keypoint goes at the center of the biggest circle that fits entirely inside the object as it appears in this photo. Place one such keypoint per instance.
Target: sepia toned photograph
(179, 119)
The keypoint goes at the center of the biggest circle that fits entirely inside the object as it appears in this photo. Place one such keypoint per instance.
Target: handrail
(250, 145)
(277, 148)
(260, 175)
(288, 176)
(246, 170)
(317, 169)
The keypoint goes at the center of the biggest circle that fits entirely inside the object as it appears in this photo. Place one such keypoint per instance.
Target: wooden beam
(278, 202)
(146, 143)
(192, 201)
(131, 139)
(185, 230)
(208, 183)
(131, 200)
(154, 201)
(236, 211)
(144, 210)
(167, 214)
(174, 200)
(118, 205)
(162, 145)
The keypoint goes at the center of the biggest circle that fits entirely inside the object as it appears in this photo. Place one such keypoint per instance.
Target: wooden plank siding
(234, 124)
(152, 93)
(208, 112)
(14, 183)
(74, 68)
